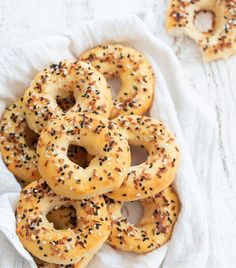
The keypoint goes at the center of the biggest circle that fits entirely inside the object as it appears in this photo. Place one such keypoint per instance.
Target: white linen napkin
(174, 102)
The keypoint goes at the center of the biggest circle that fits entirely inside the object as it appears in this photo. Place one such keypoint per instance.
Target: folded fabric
(174, 102)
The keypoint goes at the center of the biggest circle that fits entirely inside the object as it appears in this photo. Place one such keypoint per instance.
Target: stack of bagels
(68, 143)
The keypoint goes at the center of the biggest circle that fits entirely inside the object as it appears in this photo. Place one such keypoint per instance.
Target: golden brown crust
(68, 246)
(136, 74)
(154, 229)
(101, 138)
(81, 264)
(160, 168)
(218, 42)
(64, 218)
(19, 157)
(65, 78)
(18, 145)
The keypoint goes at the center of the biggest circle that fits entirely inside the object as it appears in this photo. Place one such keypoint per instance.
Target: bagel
(68, 246)
(66, 78)
(81, 264)
(135, 72)
(155, 227)
(63, 218)
(219, 42)
(159, 170)
(18, 144)
(101, 138)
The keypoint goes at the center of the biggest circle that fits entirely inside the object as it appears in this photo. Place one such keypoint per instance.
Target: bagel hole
(133, 211)
(31, 138)
(79, 155)
(65, 102)
(63, 217)
(138, 155)
(115, 84)
(204, 21)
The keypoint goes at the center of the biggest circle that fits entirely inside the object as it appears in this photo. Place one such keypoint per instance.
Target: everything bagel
(101, 138)
(79, 79)
(133, 69)
(219, 42)
(81, 264)
(154, 229)
(18, 144)
(64, 218)
(159, 170)
(66, 246)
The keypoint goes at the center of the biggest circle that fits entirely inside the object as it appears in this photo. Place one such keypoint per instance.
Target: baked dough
(101, 138)
(160, 168)
(18, 144)
(218, 43)
(135, 72)
(67, 246)
(81, 264)
(155, 227)
(64, 218)
(78, 78)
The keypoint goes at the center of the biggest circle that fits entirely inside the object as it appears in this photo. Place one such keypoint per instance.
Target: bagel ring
(155, 227)
(68, 246)
(81, 264)
(159, 170)
(64, 218)
(18, 144)
(101, 138)
(66, 78)
(135, 72)
(218, 42)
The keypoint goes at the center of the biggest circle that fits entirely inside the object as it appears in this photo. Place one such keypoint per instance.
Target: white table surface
(27, 20)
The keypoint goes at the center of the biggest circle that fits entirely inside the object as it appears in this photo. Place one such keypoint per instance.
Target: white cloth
(174, 102)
